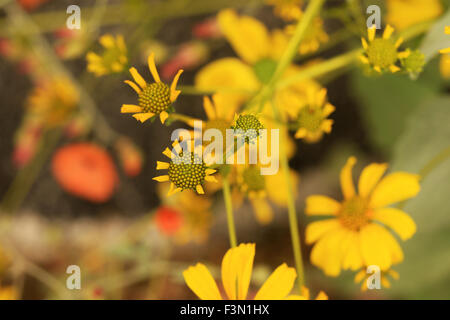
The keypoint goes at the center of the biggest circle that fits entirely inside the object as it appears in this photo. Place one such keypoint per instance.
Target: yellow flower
(112, 60)
(8, 293)
(381, 54)
(196, 216)
(445, 59)
(312, 119)
(355, 237)
(362, 276)
(53, 101)
(314, 37)
(237, 267)
(259, 50)
(186, 170)
(287, 9)
(405, 13)
(155, 98)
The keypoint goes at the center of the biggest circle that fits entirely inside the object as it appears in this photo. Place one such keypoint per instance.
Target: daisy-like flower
(362, 276)
(405, 13)
(247, 126)
(155, 98)
(53, 101)
(237, 267)
(113, 58)
(259, 50)
(381, 54)
(288, 10)
(355, 236)
(312, 119)
(186, 169)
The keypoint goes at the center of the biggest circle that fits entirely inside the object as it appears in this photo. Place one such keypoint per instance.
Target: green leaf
(427, 254)
(436, 39)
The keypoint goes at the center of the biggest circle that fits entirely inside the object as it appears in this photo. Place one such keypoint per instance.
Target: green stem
(229, 209)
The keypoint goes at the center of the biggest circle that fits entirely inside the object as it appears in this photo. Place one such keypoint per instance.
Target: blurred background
(76, 187)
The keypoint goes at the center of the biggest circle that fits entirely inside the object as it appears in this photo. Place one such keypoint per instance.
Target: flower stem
(229, 208)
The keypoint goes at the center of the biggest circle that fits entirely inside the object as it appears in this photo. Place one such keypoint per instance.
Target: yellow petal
(161, 165)
(163, 116)
(322, 296)
(348, 189)
(134, 86)
(138, 78)
(364, 44)
(174, 190)
(209, 108)
(210, 171)
(315, 230)
(394, 68)
(199, 189)
(327, 125)
(301, 133)
(328, 252)
(321, 205)
(371, 32)
(200, 281)
(173, 92)
(142, 117)
(237, 266)
(388, 32)
(210, 179)
(263, 211)
(360, 276)
(395, 187)
(397, 220)
(328, 109)
(248, 36)
(161, 178)
(369, 178)
(168, 153)
(377, 69)
(445, 51)
(130, 108)
(399, 42)
(364, 59)
(107, 41)
(152, 67)
(278, 285)
(352, 257)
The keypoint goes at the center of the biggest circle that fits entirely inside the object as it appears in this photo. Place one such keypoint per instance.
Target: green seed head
(155, 98)
(187, 171)
(310, 118)
(414, 62)
(249, 126)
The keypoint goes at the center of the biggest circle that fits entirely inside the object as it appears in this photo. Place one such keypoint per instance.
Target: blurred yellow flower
(305, 295)
(354, 238)
(53, 101)
(155, 98)
(237, 267)
(8, 293)
(113, 58)
(312, 120)
(287, 9)
(361, 277)
(314, 37)
(381, 54)
(259, 50)
(405, 13)
(186, 170)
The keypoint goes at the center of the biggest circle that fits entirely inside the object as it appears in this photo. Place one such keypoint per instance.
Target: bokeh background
(119, 244)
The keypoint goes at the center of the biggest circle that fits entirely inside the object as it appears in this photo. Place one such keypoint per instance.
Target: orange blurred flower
(130, 156)
(85, 170)
(168, 220)
(31, 4)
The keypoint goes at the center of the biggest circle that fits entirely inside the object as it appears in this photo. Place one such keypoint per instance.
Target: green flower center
(155, 98)
(382, 52)
(353, 214)
(264, 69)
(187, 171)
(248, 125)
(310, 118)
(253, 179)
(414, 62)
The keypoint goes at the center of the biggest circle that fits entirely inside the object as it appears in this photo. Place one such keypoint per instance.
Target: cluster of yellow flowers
(356, 234)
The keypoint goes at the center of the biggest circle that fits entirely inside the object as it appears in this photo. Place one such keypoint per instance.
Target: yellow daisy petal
(210, 171)
(107, 41)
(352, 258)
(160, 165)
(399, 42)
(328, 109)
(328, 252)
(172, 191)
(364, 44)
(301, 133)
(210, 179)
(364, 59)
(199, 189)
(397, 220)
(130, 108)
(174, 93)
(395, 187)
(142, 117)
(371, 33)
(138, 78)
(161, 178)
(394, 68)
(388, 32)
(168, 153)
(348, 189)
(152, 67)
(321, 205)
(134, 86)
(263, 211)
(315, 230)
(369, 178)
(163, 116)
(200, 281)
(278, 285)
